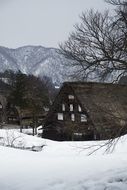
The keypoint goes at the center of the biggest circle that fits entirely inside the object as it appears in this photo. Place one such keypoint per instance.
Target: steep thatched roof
(105, 103)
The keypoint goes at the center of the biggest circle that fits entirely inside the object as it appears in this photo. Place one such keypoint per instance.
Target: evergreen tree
(18, 94)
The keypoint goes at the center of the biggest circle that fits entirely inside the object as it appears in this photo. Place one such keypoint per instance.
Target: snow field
(62, 166)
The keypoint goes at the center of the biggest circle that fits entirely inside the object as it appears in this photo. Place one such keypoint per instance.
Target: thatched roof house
(87, 111)
(15, 115)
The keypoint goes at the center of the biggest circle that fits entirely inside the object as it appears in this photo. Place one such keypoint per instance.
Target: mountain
(36, 60)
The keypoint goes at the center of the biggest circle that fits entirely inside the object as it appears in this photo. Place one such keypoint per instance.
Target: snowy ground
(61, 166)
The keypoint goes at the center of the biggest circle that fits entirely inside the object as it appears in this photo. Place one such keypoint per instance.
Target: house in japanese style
(87, 111)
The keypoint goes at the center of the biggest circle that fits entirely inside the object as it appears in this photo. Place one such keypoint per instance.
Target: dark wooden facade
(68, 119)
(87, 111)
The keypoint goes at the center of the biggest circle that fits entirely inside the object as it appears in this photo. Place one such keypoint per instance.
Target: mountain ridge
(37, 60)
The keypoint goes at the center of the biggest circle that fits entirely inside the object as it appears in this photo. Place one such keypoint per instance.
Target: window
(79, 108)
(72, 117)
(1, 106)
(71, 97)
(83, 118)
(60, 116)
(63, 107)
(78, 134)
(71, 107)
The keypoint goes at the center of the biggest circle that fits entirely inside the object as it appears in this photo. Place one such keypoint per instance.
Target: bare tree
(98, 46)
(116, 2)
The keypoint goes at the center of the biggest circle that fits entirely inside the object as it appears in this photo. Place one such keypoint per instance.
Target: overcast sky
(41, 22)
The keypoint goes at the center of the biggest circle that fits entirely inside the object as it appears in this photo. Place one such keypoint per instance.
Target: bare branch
(99, 44)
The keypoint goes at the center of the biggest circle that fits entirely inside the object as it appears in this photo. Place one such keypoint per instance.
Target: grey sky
(40, 22)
